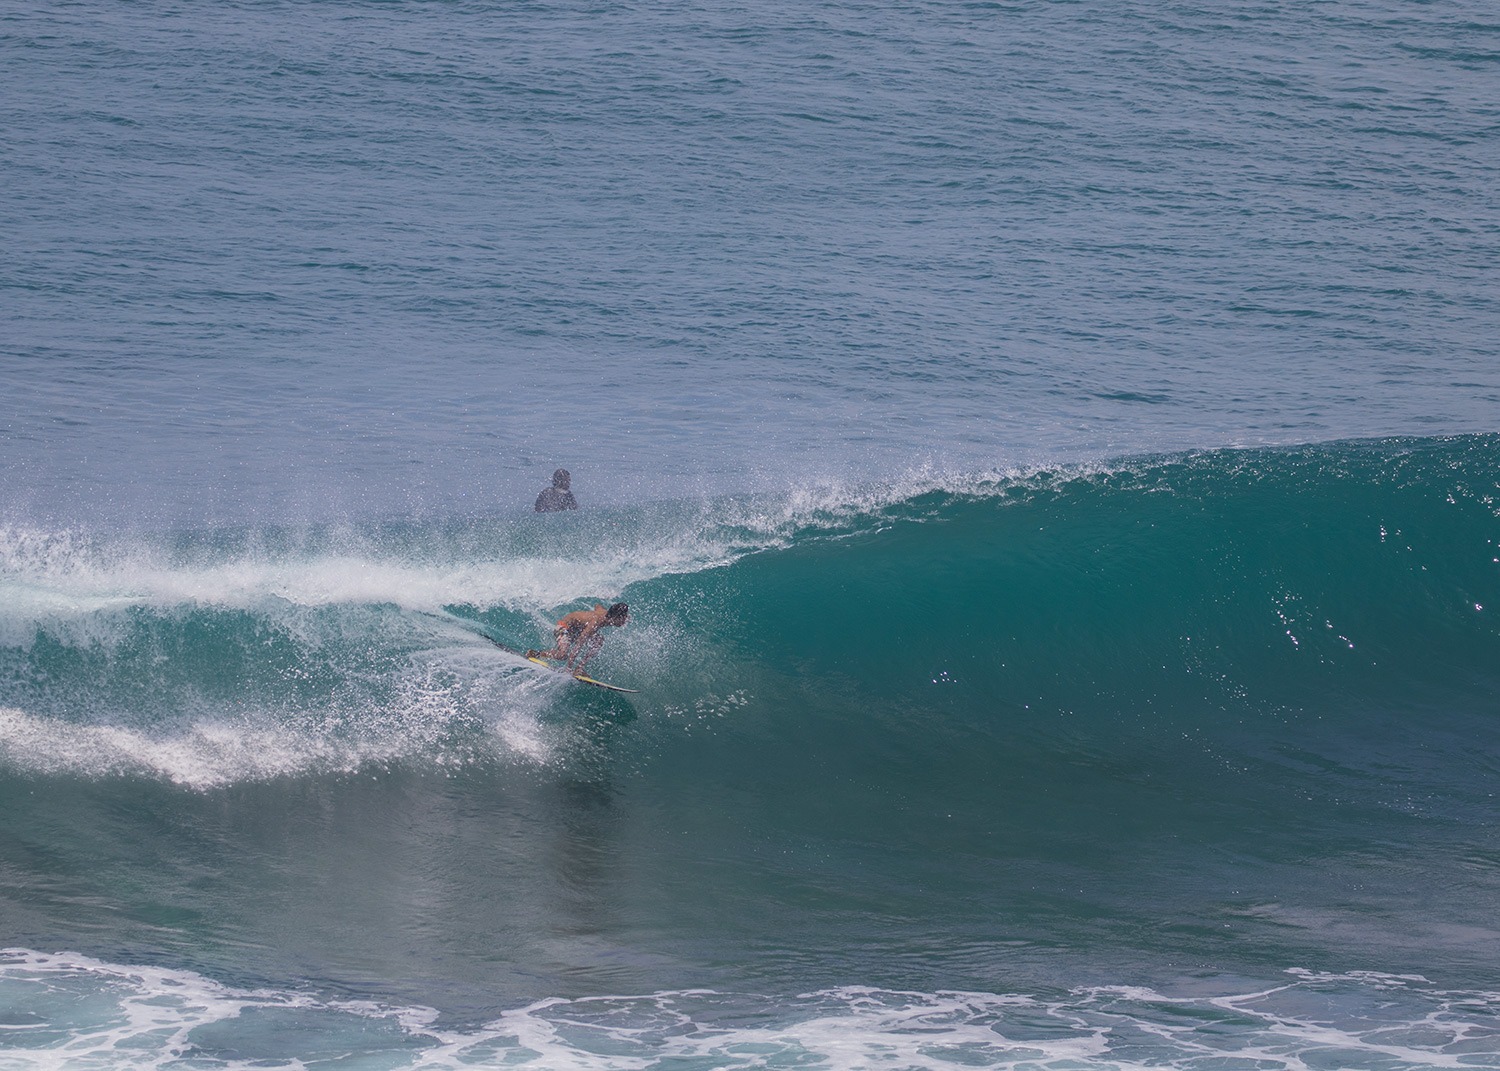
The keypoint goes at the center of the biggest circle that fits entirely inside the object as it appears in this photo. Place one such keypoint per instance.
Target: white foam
(72, 1011)
(379, 692)
(432, 715)
(74, 581)
(200, 754)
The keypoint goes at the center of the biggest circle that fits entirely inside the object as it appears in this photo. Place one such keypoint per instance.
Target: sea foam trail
(70, 1011)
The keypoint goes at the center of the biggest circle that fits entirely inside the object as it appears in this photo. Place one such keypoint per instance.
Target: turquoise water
(1049, 452)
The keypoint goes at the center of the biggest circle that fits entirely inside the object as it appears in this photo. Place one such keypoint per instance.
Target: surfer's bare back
(578, 636)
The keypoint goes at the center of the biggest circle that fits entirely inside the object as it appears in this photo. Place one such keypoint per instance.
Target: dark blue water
(1049, 452)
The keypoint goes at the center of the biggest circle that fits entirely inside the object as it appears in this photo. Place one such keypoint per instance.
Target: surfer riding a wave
(578, 636)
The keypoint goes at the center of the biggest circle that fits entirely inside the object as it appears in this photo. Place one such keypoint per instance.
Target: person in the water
(556, 498)
(579, 635)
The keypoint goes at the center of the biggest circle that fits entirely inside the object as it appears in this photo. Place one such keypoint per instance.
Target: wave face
(1224, 714)
(1230, 606)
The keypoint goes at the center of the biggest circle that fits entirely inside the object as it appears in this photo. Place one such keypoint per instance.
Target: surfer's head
(617, 614)
(561, 479)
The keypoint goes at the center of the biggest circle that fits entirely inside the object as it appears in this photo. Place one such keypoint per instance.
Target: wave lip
(521, 564)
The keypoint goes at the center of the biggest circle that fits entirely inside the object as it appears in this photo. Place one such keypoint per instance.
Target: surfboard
(582, 680)
(545, 664)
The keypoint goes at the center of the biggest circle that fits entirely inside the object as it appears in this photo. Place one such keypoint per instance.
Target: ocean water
(1051, 452)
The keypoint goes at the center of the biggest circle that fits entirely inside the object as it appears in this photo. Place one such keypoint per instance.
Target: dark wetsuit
(554, 500)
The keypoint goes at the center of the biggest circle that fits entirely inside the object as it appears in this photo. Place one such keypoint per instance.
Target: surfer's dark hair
(617, 613)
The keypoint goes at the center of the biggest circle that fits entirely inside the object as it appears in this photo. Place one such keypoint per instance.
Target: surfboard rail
(536, 659)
